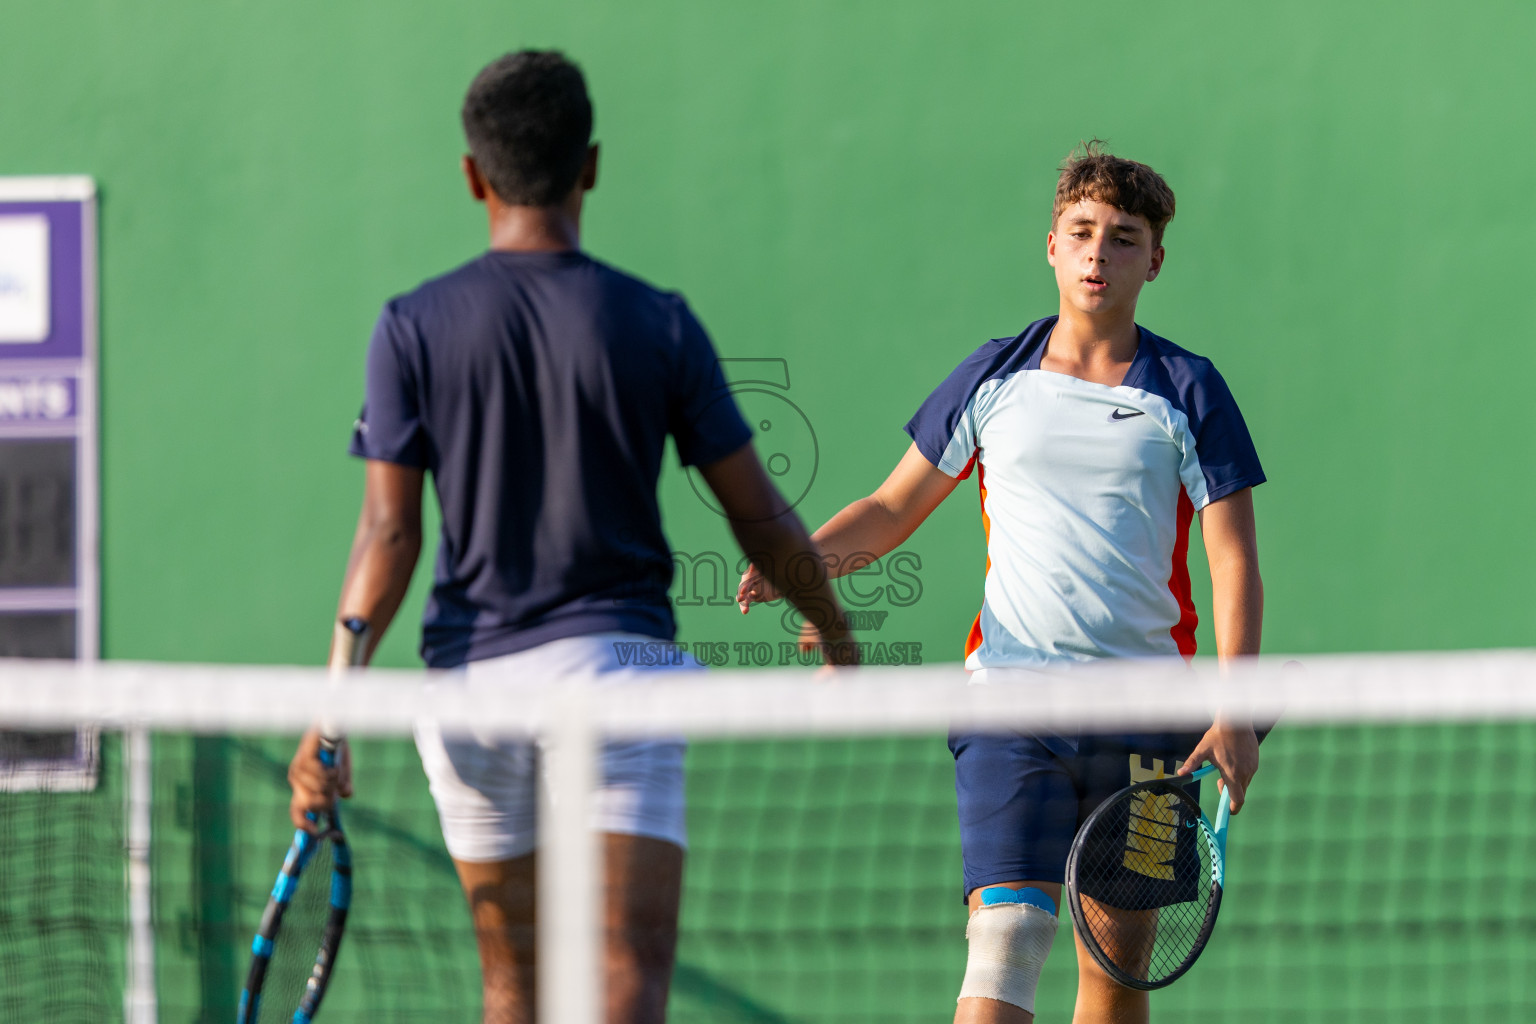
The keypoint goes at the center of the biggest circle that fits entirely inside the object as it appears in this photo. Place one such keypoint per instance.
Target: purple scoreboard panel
(49, 592)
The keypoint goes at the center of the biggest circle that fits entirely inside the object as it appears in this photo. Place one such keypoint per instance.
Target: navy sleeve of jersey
(389, 428)
(702, 418)
(944, 426)
(1228, 459)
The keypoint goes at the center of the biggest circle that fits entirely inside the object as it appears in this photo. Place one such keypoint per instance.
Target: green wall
(859, 188)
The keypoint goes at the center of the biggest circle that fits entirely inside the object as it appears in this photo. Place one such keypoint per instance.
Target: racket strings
(299, 937)
(1146, 883)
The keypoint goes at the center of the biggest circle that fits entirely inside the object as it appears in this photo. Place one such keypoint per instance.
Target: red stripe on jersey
(1183, 631)
(973, 639)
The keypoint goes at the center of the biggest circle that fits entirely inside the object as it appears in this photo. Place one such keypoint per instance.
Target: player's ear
(473, 177)
(1050, 247)
(589, 169)
(1157, 264)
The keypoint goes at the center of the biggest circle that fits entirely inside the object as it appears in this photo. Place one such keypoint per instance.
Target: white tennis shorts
(486, 788)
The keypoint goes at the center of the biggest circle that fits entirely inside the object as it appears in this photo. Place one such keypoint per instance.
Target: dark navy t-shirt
(539, 389)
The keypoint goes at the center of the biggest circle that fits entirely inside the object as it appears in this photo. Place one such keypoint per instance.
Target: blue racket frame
(352, 636)
(1218, 830)
(300, 853)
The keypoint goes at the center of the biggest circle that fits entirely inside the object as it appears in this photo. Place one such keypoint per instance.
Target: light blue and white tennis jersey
(1087, 494)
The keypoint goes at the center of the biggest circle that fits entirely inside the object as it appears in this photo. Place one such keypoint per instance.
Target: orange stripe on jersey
(1183, 631)
(973, 639)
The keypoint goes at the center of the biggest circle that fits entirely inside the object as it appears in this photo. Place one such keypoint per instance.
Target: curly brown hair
(1091, 173)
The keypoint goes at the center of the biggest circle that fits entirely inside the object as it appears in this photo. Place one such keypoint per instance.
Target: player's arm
(869, 528)
(775, 541)
(1237, 604)
(384, 552)
(384, 548)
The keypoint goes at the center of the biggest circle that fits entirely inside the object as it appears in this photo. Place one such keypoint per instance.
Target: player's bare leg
(643, 880)
(501, 904)
(643, 889)
(1101, 999)
(992, 1011)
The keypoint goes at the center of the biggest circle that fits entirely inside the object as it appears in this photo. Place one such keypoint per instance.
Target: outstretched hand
(838, 648)
(1234, 750)
(315, 787)
(754, 589)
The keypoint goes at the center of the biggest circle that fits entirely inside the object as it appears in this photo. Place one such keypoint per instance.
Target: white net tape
(1104, 696)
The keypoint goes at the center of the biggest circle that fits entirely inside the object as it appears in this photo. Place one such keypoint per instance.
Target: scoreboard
(49, 569)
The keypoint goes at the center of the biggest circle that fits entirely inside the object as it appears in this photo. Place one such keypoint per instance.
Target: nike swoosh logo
(1122, 415)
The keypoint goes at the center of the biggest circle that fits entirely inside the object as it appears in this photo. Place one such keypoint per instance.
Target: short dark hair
(1091, 173)
(528, 122)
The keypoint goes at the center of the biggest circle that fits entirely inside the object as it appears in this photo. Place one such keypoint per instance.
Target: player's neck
(535, 228)
(1094, 347)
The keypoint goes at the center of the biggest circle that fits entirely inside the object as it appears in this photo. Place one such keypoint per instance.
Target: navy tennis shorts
(1023, 797)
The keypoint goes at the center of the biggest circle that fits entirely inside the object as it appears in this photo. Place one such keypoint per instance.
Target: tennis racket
(308, 907)
(1144, 880)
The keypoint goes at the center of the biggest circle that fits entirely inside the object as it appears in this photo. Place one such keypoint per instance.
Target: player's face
(1102, 257)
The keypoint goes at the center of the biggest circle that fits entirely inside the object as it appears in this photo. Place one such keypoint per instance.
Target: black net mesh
(821, 886)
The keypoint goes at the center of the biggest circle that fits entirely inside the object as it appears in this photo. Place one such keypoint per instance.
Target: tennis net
(1385, 865)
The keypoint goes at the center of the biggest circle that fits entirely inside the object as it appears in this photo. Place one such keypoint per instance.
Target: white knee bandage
(1008, 946)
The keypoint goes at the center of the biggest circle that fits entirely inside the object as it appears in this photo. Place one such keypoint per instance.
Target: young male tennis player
(538, 387)
(1094, 443)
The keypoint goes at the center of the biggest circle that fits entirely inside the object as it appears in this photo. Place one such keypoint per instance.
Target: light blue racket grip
(1223, 815)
